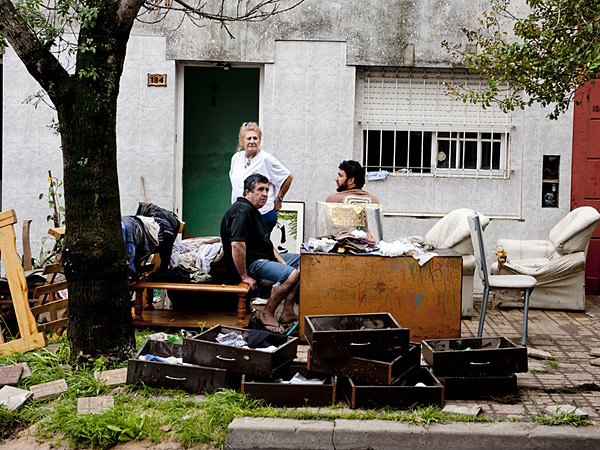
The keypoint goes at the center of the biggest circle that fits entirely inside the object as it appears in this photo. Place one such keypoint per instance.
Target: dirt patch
(586, 387)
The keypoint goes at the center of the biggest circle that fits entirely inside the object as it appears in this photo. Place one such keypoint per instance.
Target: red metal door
(585, 179)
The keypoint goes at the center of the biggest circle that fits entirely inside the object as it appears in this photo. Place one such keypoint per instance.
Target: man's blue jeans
(273, 271)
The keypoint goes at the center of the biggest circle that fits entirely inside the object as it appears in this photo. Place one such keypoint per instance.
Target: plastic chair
(524, 283)
(357, 199)
(348, 219)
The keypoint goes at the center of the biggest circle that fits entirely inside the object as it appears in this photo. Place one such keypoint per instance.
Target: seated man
(350, 180)
(248, 248)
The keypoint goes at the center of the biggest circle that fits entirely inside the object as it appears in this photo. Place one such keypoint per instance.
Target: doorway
(585, 178)
(216, 102)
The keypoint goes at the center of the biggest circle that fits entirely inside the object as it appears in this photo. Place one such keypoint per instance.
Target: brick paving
(89, 405)
(569, 337)
(50, 389)
(10, 375)
(115, 377)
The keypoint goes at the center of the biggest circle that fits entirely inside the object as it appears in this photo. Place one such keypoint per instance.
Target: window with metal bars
(412, 126)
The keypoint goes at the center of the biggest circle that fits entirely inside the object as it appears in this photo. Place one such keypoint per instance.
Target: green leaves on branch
(88, 73)
(87, 46)
(55, 24)
(54, 197)
(551, 52)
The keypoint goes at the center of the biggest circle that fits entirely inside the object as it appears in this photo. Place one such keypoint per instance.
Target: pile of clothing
(358, 242)
(151, 230)
(257, 339)
(408, 247)
(354, 242)
(191, 261)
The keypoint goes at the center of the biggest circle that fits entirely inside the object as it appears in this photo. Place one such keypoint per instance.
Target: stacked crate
(476, 367)
(208, 365)
(375, 363)
(365, 359)
(187, 377)
(259, 370)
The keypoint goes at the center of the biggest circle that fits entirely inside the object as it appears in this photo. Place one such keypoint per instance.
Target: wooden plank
(26, 246)
(24, 344)
(15, 275)
(49, 288)
(8, 218)
(426, 299)
(52, 268)
(52, 306)
(57, 232)
(238, 289)
(53, 325)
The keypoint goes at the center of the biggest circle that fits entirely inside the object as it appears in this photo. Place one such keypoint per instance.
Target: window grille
(412, 126)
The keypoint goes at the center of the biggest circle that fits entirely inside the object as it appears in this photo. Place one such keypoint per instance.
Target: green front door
(216, 103)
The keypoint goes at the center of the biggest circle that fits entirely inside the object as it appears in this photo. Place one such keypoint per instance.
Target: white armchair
(558, 264)
(452, 231)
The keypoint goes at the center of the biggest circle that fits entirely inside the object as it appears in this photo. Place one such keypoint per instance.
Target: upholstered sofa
(558, 263)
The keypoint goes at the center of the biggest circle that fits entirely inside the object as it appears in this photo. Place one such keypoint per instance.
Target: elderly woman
(249, 159)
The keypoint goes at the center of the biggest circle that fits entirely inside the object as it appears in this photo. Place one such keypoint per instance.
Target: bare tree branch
(260, 11)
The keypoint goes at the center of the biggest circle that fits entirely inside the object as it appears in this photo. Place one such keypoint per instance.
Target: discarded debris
(50, 389)
(473, 410)
(116, 377)
(538, 354)
(566, 409)
(13, 398)
(26, 370)
(10, 375)
(53, 347)
(93, 405)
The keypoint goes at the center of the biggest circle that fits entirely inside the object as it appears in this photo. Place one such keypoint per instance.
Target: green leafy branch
(545, 58)
(53, 195)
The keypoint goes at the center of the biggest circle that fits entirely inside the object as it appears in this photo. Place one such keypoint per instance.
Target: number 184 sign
(157, 79)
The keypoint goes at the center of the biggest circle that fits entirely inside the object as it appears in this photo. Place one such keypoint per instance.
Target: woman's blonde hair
(248, 126)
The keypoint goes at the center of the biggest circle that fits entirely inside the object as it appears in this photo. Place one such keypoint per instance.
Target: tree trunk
(94, 255)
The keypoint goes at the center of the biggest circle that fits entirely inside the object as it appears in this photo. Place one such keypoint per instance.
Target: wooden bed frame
(139, 288)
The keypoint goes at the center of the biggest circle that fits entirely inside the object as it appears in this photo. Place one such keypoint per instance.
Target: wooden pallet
(31, 337)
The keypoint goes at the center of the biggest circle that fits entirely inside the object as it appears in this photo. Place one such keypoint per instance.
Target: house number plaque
(157, 79)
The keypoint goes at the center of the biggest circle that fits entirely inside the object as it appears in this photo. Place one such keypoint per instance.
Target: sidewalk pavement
(568, 336)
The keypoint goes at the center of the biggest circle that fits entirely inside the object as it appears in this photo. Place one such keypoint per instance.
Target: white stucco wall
(308, 119)
(145, 137)
(30, 149)
(146, 126)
